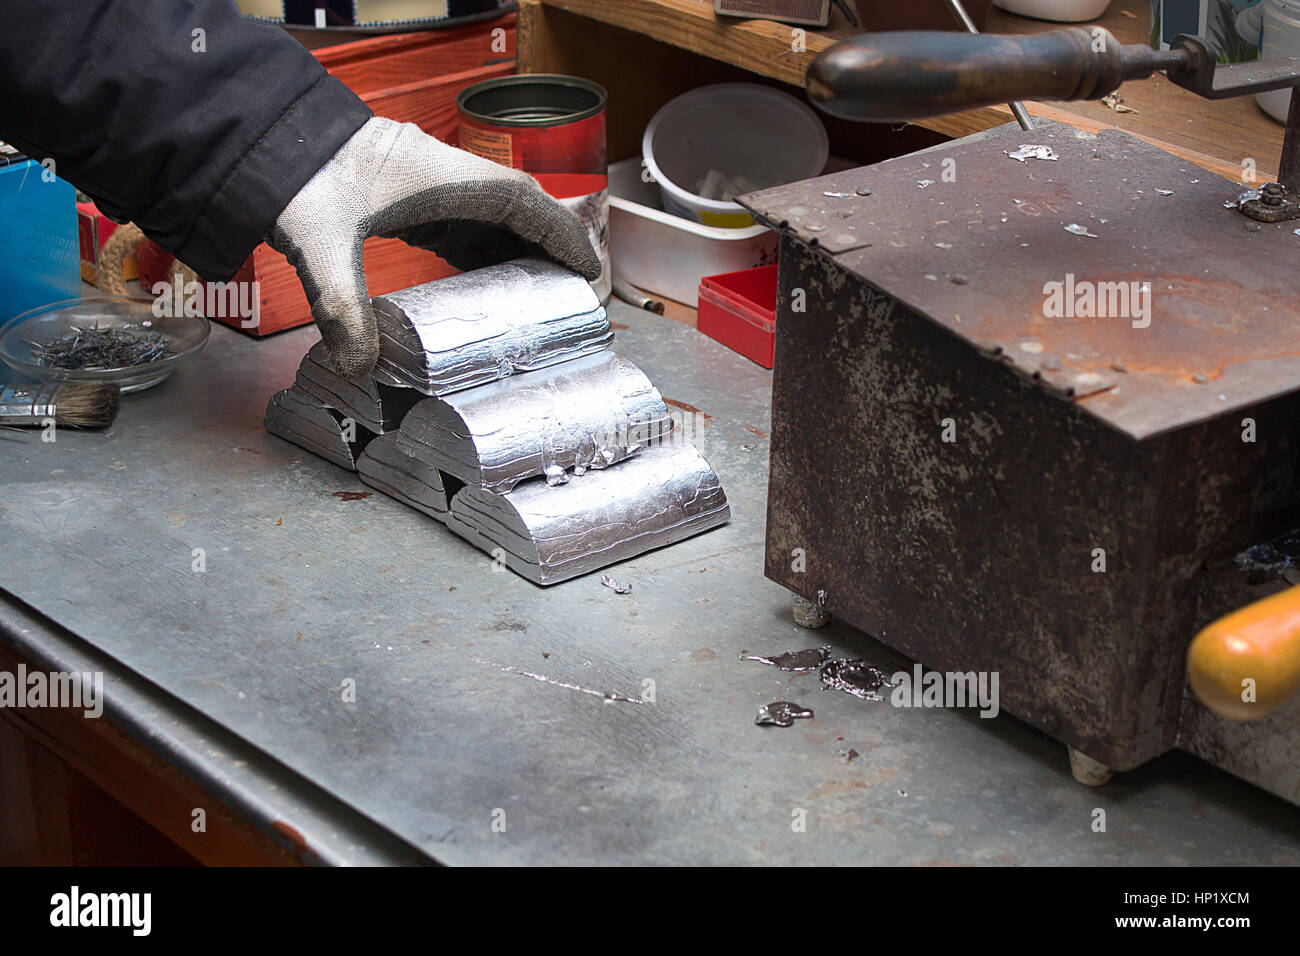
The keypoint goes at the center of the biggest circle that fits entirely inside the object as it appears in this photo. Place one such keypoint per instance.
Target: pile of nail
(101, 349)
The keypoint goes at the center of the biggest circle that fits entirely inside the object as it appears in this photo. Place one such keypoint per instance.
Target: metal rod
(1288, 173)
(634, 296)
(848, 13)
(1017, 108)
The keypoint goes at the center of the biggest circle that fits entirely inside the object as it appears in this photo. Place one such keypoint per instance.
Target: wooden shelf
(1219, 136)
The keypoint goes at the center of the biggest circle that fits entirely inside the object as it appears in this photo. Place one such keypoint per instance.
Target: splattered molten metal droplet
(806, 660)
(854, 677)
(780, 713)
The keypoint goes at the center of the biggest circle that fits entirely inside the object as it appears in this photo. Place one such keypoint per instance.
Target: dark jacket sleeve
(200, 138)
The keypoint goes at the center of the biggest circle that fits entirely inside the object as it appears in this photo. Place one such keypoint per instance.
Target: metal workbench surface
(237, 673)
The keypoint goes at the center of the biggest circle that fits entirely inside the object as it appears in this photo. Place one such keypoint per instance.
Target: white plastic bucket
(730, 138)
(1279, 36)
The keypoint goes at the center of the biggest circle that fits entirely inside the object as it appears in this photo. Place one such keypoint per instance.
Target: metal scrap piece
(781, 713)
(613, 585)
(805, 660)
(1079, 230)
(295, 416)
(584, 414)
(487, 324)
(853, 676)
(659, 497)
(1033, 151)
(1116, 102)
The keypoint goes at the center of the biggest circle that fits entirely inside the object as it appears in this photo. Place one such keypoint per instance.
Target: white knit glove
(391, 179)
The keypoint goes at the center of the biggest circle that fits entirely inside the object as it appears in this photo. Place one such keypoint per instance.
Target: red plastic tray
(738, 309)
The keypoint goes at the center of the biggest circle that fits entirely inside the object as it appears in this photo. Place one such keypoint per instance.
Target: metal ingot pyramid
(540, 447)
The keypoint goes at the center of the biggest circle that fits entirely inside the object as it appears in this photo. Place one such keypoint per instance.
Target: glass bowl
(184, 335)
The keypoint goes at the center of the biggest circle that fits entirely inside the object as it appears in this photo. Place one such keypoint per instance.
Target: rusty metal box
(986, 485)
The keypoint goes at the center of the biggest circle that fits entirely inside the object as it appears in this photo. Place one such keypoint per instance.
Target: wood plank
(760, 46)
(431, 104)
(378, 63)
(126, 770)
(1217, 135)
(555, 41)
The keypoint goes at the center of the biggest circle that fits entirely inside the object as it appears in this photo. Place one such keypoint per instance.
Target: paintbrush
(71, 405)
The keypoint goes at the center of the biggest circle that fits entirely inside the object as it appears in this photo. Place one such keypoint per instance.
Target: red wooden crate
(409, 77)
(93, 230)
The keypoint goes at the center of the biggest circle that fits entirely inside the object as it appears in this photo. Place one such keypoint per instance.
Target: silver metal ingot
(377, 404)
(584, 414)
(484, 325)
(297, 417)
(385, 467)
(549, 534)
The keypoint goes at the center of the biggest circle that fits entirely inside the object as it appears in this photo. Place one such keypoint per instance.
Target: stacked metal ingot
(497, 408)
(480, 326)
(664, 494)
(377, 401)
(295, 415)
(585, 414)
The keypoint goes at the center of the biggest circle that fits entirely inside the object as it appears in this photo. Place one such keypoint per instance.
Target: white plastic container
(1275, 25)
(1061, 11)
(730, 138)
(668, 255)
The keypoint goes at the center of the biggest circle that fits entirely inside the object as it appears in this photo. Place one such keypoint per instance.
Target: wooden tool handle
(897, 76)
(1253, 652)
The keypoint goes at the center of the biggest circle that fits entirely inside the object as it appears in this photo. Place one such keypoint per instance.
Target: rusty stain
(618, 325)
(351, 495)
(755, 431)
(684, 406)
(837, 787)
(299, 843)
(703, 654)
(279, 522)
(1193, 321)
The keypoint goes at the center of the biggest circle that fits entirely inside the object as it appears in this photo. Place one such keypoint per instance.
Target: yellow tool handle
(1247, 664)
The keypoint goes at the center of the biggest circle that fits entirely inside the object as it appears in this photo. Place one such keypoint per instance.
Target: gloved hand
(392, 179)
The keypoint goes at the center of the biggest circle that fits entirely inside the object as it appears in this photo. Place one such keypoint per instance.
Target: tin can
(553, 127)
